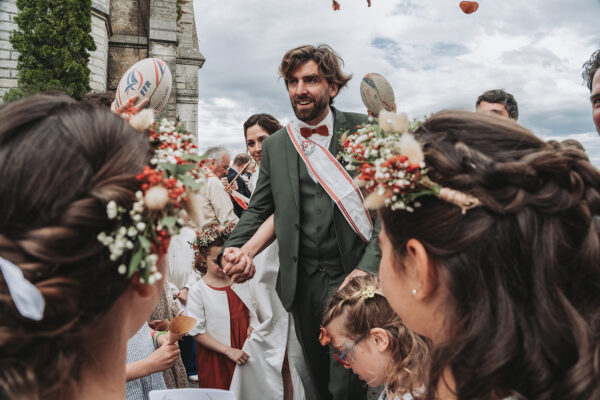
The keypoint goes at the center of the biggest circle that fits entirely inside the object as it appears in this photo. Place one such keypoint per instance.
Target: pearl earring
(414, 292)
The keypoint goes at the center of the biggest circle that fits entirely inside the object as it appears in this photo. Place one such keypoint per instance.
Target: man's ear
(333, 90)
(421, 269)
(380, 339)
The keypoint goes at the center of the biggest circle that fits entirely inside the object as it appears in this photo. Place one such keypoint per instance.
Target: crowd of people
(475, 276)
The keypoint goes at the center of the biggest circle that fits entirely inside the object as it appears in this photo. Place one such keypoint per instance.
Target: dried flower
(156, 198)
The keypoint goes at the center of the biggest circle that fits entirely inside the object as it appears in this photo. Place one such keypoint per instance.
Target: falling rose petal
(469, 7)
(369, 3)
(336, 5)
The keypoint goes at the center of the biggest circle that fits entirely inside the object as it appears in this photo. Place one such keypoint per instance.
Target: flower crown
(142, 234)
(391, 167)
(211, 233)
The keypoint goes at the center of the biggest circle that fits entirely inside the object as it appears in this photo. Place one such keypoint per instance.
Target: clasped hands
(237, 265)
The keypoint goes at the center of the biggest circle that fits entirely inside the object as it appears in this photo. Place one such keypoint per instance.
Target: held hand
(182, 295)
(236, 355)
(164, 357)
(250, 330)
(159, 325)
(237, 265)
(353, 274)
(139, 107)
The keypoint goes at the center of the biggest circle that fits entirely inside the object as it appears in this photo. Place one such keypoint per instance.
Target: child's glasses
(342, 357)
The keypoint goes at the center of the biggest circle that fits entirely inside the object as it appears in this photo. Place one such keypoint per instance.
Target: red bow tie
(319, 130)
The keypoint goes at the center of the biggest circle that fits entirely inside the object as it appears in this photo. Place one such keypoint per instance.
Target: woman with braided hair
(508, 288)
(67, 306)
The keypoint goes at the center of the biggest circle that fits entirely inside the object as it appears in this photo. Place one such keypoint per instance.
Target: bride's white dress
(260, 377)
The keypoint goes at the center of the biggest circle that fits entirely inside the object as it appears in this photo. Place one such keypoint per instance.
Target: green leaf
(190, 182)
(136, 258)
(145, 243)
(169, 222)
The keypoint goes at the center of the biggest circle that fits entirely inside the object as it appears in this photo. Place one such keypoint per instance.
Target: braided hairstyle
(356, 315)
(61, 162)
(523, 270)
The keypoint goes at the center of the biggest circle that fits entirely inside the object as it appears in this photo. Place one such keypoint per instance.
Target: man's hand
(236, 355)
(164, 357)
(353, 274)
(137, 108)
(182, 295)
(237, 265)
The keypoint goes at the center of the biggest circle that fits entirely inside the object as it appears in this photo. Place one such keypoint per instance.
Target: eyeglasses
(341, 357)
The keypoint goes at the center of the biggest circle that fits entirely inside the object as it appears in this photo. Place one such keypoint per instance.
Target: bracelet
(156, 335)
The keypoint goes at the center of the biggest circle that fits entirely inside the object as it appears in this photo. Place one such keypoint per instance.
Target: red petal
(469, 7)
(336, 5)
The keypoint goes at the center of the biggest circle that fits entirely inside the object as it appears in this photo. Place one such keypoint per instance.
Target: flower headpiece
(211, 233)
(391, 167)
(142, 233)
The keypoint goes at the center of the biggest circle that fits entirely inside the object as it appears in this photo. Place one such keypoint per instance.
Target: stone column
(189, 60)
(8, 56)
(101, 31)
(162, 43)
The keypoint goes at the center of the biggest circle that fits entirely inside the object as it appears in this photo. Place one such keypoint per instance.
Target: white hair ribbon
(27, 297)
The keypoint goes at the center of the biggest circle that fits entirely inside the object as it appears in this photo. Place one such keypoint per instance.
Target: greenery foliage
(53, 39)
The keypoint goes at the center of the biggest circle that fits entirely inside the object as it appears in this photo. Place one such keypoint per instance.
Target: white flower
(139, 195)
(131, 232)
(111, 209)
(122, 269)
(386, 121)
(156, 197)
(138, 206)
(140, 226)
(142, 120)
(411, 148)
(129, 244)
(136, 217)
(400, 123)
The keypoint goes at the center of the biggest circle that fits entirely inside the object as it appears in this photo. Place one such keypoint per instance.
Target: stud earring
(414, 292)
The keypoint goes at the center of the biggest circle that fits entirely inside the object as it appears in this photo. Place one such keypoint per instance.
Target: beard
(308, 115)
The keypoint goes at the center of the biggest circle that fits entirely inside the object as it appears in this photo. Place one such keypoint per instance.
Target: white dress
(267, 345)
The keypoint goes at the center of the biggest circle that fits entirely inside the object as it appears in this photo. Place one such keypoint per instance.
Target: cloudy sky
(435, 56)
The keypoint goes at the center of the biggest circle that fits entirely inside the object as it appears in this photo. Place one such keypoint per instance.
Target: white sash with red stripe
(335, 180)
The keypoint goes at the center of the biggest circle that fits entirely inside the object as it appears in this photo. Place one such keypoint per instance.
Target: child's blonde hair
(359, 307)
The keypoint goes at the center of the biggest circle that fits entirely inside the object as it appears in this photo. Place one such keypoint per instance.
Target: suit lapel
(339, 125)
(292, 164)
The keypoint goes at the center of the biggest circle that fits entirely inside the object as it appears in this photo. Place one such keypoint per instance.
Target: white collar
(327, 121)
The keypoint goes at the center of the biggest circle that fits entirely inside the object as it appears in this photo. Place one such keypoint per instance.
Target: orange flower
(324, 338)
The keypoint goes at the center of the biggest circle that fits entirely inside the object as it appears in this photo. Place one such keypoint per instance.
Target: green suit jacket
(277, 191)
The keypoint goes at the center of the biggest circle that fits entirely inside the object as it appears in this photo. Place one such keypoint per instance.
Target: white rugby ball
(149, 78)
(377, 93)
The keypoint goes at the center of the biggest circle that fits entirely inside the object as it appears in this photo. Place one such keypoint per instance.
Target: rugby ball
(149, 78)
(377, 93)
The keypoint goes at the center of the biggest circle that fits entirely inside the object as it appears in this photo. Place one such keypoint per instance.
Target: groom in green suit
(318, 247)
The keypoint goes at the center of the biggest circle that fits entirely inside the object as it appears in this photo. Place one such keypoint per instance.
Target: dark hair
(201, 254)
(266, 121)
(589, 69)
(501, 97)
(241, 159)
(522, 270)
(100, 99)
(327, 59)
(61, 163)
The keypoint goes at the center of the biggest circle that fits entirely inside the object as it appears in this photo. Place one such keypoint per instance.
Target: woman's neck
(446, 389)
(103, 374)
